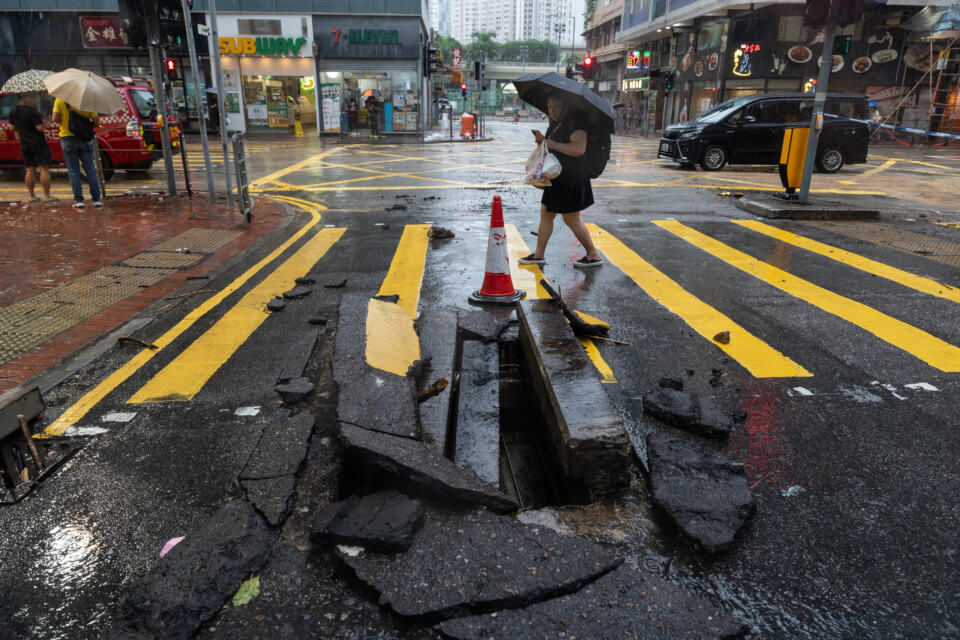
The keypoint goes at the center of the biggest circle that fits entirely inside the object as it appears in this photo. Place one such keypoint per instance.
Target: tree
(446, 44)
(483, 41)
(537, 51)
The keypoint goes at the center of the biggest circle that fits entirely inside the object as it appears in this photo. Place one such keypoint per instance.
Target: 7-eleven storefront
(269, 74)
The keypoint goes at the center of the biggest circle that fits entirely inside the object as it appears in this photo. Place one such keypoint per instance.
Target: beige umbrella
(84, 90)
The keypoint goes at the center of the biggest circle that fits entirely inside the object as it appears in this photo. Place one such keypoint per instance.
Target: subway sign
(260, 46)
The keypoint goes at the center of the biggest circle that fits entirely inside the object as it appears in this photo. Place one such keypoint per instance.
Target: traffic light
(463, 90)
(432, 60)
(170, 19)
(816, 13)
(588, 68)
(171, 66)
(570, 72)
(668, 78)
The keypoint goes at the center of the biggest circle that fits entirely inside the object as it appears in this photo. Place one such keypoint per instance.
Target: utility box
(793, 152)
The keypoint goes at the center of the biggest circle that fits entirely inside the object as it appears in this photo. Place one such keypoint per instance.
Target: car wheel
(830, 160)
(713, 158)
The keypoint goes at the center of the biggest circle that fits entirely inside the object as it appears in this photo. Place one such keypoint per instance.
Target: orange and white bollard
(497, 284)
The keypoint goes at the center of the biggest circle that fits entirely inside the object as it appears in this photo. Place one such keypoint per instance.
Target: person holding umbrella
(81, 95)
(570, 192)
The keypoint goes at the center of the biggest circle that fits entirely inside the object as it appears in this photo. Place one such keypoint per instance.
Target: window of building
(709, 37)
(259, 27)
(751, 29)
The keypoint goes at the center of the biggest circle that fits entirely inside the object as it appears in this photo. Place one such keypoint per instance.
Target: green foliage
(446, 44)
(483, 41)
(537, 51)
(591, 6)
(247, 592)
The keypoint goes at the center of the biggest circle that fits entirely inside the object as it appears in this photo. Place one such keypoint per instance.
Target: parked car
(749, 130)
(128, 139)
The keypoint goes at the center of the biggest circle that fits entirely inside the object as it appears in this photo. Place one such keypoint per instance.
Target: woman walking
(569, 193)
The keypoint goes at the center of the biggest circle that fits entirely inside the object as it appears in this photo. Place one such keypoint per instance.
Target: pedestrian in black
(569, 193)
(28, 123)
(373, 116)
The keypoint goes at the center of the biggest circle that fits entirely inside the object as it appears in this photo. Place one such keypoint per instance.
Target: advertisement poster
(257, 116)
(330, 96)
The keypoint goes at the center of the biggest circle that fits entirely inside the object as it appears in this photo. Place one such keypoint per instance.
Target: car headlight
(689, 134)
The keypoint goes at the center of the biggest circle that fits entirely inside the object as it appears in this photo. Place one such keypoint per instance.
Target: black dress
(569, 192)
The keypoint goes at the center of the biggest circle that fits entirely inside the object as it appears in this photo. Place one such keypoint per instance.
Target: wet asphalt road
(855, 476)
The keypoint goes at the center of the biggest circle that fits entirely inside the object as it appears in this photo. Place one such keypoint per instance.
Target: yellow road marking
(907, 279)
(528, 277)
(187, 374)
(953, 225)
(392, 343)
(259, 182)
(90, 399)
(756, 356)
(883, 167)
(925, 164)
(406, 270)
(932, 350)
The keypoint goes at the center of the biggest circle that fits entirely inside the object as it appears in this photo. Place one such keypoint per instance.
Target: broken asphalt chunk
(271, 496)
(487, 325)
(294, 390)
(336, 285)
(318, 319)
(297, 292)
(383, 521)
(461, 564)
(276, 304)
(705, 493)
(177, 596)
(396, 207)
(281, 449)
(439, 233)
(392, 298)
(420, 470)
(305, 280)
(626, 603)
(688, 411)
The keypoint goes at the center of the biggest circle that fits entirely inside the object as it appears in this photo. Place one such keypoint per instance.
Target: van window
(797, 110)
(145, 103)
(765, 111)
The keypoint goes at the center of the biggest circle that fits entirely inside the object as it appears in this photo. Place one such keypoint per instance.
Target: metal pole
(559, 27)
(191, 46)
(162, 109)
(215, 54)
(823, 79)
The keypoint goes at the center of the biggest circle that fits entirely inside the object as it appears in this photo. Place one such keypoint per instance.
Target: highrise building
(477, 16)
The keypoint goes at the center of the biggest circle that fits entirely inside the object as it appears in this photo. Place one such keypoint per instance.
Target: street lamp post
(523, 58)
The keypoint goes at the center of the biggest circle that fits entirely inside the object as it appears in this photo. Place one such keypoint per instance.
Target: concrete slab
(627, 603)
(767, 206)
(281, 449)
(191, 582)
(478, 411)
(586, 428)
(420, 470)
(438, 342)
(368, 397)
(460, 564)
(487, 324)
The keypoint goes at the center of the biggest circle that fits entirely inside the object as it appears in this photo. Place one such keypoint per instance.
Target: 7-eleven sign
(456, 59)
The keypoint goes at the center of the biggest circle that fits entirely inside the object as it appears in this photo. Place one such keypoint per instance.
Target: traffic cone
(497, 284)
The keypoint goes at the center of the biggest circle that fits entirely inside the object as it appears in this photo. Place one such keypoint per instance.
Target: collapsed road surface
(245, 427)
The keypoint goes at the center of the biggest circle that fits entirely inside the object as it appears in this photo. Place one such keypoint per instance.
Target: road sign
(456, 59)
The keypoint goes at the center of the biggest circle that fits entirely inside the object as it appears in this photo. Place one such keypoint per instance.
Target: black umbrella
(535, 88)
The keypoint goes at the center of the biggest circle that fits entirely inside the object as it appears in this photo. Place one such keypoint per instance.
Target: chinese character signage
(103, 32)
(633, 60)
(742, 65)
(456, 59)
(636, 84)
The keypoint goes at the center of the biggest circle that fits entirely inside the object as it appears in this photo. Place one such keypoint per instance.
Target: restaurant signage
(261, 46)
(103, 32)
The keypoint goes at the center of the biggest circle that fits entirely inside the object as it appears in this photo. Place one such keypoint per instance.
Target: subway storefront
(269, 74)
(370, 75)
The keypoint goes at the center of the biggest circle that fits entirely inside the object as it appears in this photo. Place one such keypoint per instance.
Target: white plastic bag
(541, 166)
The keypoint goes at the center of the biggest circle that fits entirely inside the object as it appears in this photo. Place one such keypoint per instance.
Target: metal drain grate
(199, 240)
(164, 260)
(936, 249)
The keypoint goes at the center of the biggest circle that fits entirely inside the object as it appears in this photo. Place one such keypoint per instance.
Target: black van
(749, 130)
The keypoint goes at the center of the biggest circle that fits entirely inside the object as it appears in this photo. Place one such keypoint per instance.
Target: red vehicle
(128, 139)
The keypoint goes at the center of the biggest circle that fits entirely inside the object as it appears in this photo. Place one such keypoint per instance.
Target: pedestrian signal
(463, 90)
(171, 66)
(588, 67)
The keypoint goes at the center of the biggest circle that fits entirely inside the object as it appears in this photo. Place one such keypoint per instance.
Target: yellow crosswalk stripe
(392, 343)
(89, 400)
(756, 356)
(528, 277)
(879, 269)
(187, 374)
(930, 349)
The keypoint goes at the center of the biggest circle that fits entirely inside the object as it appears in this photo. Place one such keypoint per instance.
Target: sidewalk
(69, 276)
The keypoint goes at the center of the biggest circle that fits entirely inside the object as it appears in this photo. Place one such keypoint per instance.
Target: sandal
(531, 259)
(587, 263)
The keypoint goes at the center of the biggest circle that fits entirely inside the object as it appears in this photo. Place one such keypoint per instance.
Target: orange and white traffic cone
(497, 284)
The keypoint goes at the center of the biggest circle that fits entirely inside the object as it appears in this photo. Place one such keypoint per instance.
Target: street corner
(70, 276)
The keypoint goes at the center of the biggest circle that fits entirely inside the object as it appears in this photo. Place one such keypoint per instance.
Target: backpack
(598, 153)
(80, 126)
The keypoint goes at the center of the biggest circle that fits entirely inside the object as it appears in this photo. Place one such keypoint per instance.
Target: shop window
(250, 27)
(751, 30)
(709, 37)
